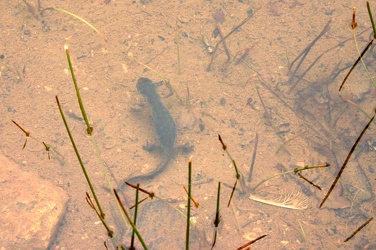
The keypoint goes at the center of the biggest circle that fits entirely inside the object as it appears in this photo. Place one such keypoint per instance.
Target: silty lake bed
(295, 109)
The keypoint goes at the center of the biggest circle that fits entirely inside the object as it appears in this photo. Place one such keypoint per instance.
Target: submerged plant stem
(79, 158)
(189, 203)
(82, 20)
(371, 18)
(130, 220)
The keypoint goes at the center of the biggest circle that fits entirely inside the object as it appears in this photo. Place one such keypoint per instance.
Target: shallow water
(308, 124)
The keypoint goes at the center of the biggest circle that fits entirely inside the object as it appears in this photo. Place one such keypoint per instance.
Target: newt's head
(146, 87)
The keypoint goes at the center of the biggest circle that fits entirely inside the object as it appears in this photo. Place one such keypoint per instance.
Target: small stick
(347, 160)
(220, 41)
(360, 228)
(188, 99)
(23, 130)
(187, 233)
(47, 147)
(138, 203)
(224, 147)
(232, 193)
(151, 194)
(217, 220)
(224, 44)
(197, 205)
(311, 167)
(253, 159)
(217, 217)
(310, 182)
(251, 242)
(354, 24)
(356, 62)
(110, 233)
(27, 134)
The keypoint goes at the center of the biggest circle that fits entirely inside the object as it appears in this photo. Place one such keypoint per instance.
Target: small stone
(219, 16)
(222, 101)
(284, 242)
(48, 88)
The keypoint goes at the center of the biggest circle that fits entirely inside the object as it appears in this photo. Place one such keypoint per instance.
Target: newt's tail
(141, 179)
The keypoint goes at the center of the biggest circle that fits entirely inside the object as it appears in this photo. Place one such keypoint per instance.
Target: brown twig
(310, 182)
(347, 160)
(360, 228)
(251, 242)
(197, 205)
(151, 194)
(232, 193)
(356, 62)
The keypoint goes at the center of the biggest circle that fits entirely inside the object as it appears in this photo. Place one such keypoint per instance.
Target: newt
(165, 128)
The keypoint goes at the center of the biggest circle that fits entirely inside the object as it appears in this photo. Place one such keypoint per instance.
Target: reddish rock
(30, 208)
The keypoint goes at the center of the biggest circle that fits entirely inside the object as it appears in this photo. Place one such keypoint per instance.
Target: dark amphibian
(164, 125)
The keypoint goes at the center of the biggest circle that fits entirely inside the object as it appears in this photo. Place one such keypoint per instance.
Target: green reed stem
(89, 129)
(79, 159)
(371, 17)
